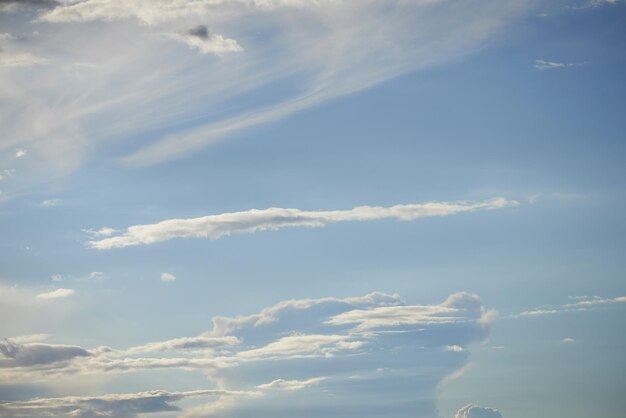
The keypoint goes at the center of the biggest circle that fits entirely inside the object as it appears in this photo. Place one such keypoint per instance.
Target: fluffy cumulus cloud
(167, 277)
(184, 74)
(475, 411)
(254, 220)
(318, 355)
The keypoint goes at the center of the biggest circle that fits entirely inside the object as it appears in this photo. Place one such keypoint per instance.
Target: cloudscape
(311, 208)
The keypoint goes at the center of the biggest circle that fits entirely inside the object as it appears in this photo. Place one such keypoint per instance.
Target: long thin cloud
(584, 304)
(247, 222)
(110, 405)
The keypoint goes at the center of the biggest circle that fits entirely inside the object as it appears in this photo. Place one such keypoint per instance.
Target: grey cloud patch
(24, 355)
(475, 411)
(201, 31)
(254, 220)
(112, 405)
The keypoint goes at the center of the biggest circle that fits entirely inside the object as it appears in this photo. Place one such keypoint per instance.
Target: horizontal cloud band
(217, 226)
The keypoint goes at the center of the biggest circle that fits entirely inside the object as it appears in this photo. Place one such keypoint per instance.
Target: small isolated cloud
(568, 340)
(56, 294)
(475, 411)
(282, 384)
(455, 348)
(19, 153)
(552, 65)
(205, 42)
(56, 278)
(167, 277)
(255, 220)
(96, 275)
(51, 203)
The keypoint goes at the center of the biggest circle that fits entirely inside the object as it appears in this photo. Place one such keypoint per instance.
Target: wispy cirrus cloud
(552, 65)
(582, 303)
(254, 220)
(315, 51)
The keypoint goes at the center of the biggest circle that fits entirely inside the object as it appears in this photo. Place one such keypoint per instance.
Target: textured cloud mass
(311, 354)
(217, 226)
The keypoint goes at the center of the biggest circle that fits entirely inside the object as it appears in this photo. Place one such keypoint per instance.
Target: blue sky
(229, 208)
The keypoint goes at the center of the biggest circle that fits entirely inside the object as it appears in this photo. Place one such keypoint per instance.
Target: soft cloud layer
(254, 220)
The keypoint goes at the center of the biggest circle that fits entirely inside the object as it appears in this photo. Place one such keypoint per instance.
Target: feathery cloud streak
(254, 220)
(149, 100)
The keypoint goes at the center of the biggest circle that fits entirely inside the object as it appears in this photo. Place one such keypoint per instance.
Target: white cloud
(96, 275)
(282, 384)
(583, 303)
(475, 411)
(51, 202)
(56, 278)
(568, 340)
(254, 220)
(102, 232)
(19, 153)
(455, 348)
(56, 294)
(167, 277)
(551, 65)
